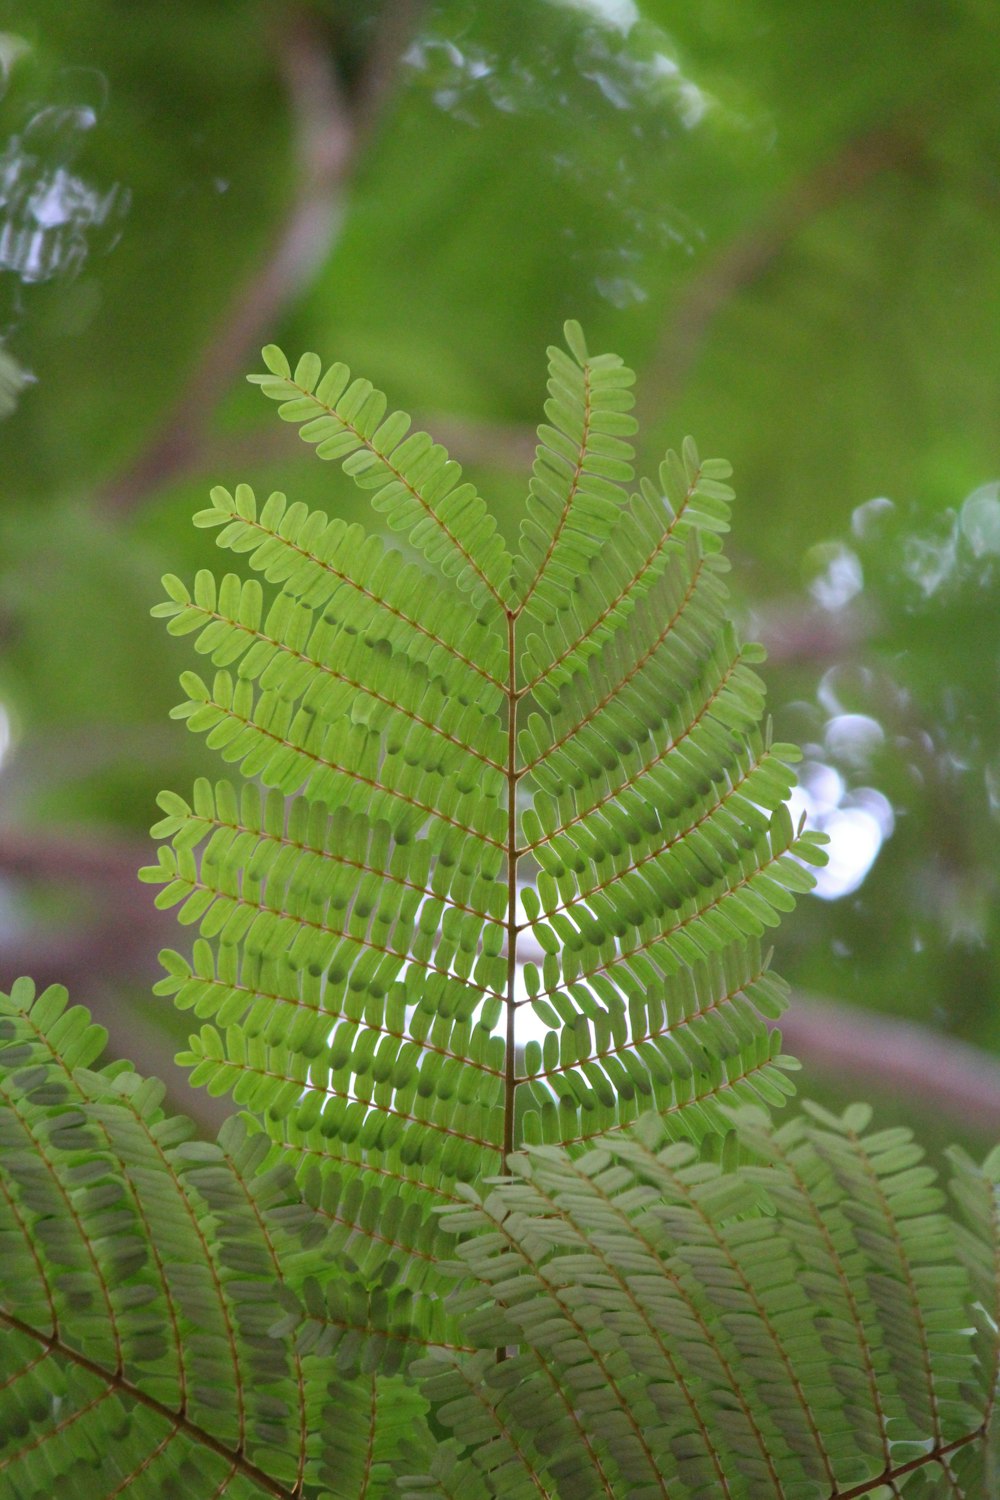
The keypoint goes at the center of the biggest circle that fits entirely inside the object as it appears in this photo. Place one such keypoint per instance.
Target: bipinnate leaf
(414, 483)
(143, 1274)
(511, 833)
(481, 951)
(801, 1324)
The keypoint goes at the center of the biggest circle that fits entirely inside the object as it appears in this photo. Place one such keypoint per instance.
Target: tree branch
(916, 1064)
(104, 955)
(509, 448)
(795, 631)
(331, 130)
(747, 258)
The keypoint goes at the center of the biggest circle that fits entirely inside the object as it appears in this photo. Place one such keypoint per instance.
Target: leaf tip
(575, 341)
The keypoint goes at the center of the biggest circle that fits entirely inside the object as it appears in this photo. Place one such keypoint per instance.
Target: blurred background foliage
(783, 213)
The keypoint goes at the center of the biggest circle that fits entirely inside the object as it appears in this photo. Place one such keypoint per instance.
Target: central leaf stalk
(510, 1060)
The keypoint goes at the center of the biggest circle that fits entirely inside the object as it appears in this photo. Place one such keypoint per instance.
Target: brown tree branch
(507, 447)
(795, 631)
(324, 140)
(934, 1074)
(747, 258)
(103, 955)
(331, 131)
(82, 859)
(396, 27)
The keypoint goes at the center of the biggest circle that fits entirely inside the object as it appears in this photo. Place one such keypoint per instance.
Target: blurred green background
(783, 213)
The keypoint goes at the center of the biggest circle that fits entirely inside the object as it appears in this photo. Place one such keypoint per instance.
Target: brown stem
(510, 1061)
(897, 1471)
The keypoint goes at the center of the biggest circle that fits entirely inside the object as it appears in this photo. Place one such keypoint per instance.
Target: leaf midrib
(116, 1379)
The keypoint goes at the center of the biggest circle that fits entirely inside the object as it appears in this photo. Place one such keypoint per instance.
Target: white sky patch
(5, 733)
(980, 520)
(842, 576)
(857, 823)
(621, 14)
(853, 739)
(46, 210)
(693, 102)
(867, 519)
(930, 561)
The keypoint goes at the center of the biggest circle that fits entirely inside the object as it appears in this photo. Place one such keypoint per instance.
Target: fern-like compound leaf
(802, 1325)
(143, 1274)
(415, 485)
(574, 501)
(511, 834)
(480, 949)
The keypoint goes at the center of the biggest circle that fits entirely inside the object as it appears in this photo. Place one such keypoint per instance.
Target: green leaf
(141, 1273)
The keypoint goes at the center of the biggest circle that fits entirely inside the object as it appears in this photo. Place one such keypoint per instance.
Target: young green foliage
(490, 898)
(535, 785)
